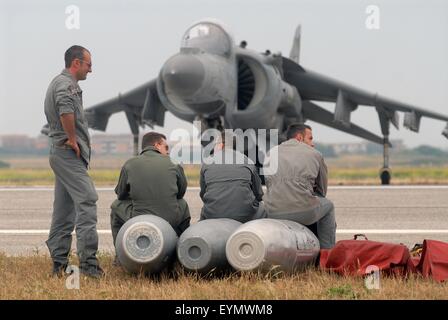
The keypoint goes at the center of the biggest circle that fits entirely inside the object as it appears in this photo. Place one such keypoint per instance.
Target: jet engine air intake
(246, 85)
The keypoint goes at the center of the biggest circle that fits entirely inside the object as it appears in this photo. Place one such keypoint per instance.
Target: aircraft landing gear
(385, 172)
(133, 124)
(385, 176)
(135, 144)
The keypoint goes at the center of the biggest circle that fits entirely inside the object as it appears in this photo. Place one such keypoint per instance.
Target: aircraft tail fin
(295, 50)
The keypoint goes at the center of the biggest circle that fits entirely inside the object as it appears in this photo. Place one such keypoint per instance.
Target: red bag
(434, 260)
(354, 257)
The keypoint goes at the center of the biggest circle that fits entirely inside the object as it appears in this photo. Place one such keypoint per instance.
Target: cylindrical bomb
(202, 246)
(268, 244)
(146, 243)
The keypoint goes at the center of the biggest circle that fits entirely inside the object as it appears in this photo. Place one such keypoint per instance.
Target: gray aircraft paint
(270, 245)
(146, 243)
(202, 247)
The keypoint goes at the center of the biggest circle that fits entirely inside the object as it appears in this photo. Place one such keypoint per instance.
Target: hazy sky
(406, 59)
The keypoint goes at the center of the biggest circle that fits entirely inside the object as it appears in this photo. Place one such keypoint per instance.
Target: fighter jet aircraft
(225, 85)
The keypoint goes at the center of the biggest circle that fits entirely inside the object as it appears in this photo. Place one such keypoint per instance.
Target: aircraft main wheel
(385, 176)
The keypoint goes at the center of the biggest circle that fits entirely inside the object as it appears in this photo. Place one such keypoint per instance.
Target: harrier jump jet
(230, 86)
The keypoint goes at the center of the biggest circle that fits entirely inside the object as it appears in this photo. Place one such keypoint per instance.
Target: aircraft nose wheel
(385, 176)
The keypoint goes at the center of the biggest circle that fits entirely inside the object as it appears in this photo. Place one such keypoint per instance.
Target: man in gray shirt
(297, 190)
(230, 188)
(74, 193)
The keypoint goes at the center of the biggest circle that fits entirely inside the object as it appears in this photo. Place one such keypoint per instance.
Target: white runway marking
(43, 189)
(391, 231)
(387, 187)
(341, 231)
(197, 188)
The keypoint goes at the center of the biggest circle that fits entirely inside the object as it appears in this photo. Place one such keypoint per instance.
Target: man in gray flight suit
(230, 185)
(74, 193)
(297, 190)
(151, 184)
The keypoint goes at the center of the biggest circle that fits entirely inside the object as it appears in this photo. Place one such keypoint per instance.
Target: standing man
(298, 189)
(74, 193)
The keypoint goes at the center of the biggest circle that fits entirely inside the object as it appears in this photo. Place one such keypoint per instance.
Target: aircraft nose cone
(183, 74)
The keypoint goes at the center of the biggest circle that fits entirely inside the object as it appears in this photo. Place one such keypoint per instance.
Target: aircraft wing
(318, 114)
(316, 87)
(141, 106)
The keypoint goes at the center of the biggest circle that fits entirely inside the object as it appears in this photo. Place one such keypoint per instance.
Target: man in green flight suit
(151, 184)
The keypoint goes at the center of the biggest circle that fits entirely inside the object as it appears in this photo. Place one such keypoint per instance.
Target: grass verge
(28, 278)
(337, 176)
(101, 177)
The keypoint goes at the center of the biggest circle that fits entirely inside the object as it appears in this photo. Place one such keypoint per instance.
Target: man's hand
(68, 123)
(74, 146)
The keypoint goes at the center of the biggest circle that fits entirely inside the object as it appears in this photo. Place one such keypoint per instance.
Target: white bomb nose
(265, 244)
(145, 243)
(202, 246)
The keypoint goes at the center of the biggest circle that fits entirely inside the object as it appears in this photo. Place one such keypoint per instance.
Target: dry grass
(347, 170)
(28, 278)
(101, 177)
(400, 175)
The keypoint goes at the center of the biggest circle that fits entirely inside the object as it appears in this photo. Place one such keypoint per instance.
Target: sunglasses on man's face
(87, 63)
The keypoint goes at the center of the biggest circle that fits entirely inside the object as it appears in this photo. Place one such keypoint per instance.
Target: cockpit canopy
(208, 37)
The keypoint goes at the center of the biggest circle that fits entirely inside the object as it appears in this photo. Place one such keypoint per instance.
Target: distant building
(110, 144)
(16, 142)
(350, 148)
(366, 147)
(42, 143)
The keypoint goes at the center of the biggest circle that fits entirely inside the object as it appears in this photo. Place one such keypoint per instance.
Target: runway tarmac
(398, 214)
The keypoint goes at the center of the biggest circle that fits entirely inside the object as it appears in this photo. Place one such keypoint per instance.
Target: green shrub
(4, 164)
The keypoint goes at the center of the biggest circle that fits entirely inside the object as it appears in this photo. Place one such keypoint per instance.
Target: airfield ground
(399, 214)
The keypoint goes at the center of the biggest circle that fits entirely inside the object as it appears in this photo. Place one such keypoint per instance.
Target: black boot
(58, 269)
(92, 271)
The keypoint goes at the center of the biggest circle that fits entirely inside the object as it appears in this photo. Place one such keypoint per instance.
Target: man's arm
(66, 110)
(122, 189)
(68, 124)
(322, 179)
(202, 184)
(256, 185)
(181, 182)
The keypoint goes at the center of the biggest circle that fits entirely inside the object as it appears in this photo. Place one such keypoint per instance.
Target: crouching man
(230, 185)
(151, 184)
(298, 189)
